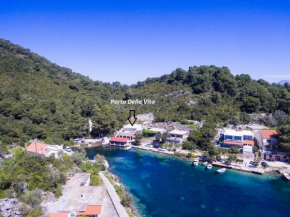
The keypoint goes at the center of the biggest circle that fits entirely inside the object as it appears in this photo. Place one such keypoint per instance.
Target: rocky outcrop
(11, 207)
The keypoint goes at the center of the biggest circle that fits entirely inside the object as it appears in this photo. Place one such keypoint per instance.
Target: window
(238, 138)
(247, 137)
(227, 137)
(269, 140)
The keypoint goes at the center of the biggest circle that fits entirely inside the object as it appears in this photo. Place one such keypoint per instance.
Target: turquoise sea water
(166, 186)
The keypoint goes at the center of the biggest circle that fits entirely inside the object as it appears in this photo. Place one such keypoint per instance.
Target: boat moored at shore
(209, 166)
(286, 176)
(222, 170)
(162, 149)
(127, 148)
(195, 162)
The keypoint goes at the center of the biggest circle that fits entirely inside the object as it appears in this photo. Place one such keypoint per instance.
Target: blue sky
(131, 40)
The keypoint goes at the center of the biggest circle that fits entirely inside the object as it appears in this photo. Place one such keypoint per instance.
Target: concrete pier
(114, 196)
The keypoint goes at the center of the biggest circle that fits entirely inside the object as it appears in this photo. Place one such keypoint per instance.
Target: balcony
(275, 152)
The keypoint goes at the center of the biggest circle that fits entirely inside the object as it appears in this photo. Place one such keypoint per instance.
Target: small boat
(221, 170)
(209, 166)
(286, 176)
(128, 148)
(162, 149)
(195, 162)
(205, 163)
(258, 171)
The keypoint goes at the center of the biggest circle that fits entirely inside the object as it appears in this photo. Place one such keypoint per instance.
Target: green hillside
(210, 92)
(39, 99)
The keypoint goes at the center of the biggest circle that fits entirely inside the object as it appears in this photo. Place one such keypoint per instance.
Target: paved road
(114, 196)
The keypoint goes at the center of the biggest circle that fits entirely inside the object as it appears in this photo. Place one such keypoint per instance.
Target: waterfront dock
(240, 168)
(86, 145)
(114, 196)
(153, 149)
(218, 164)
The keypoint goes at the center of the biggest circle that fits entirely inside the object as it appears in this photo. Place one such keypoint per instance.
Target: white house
(177, 136)
(129, 128)
(129, 131)
(269, 149)
(237, 138)
(82, 200)
(45, 150)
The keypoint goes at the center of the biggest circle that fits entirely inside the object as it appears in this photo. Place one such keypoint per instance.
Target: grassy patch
(3, 194)
(272, 128)
(128, 210)
(192, 126)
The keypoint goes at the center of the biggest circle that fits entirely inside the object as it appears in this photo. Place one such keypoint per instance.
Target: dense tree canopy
(29, 171)
(39, 99)
(284, 137)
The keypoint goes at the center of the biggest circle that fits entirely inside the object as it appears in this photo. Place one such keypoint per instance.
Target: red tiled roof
(269, 133)
(91, 210)
(248, 142)
(118, 139)
(39, 148)
(58, 214)
(233, 143)
(245, 142)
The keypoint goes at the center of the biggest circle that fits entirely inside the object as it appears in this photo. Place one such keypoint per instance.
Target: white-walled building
(45, 150)
(129, 128)
(269, 149)
(120, 141)
(177, 136)
(81, 200)
(237, 138)
(129, 131)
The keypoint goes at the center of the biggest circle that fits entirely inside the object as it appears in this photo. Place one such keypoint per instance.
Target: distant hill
(284, 82)
(39, 99)
(212, 92)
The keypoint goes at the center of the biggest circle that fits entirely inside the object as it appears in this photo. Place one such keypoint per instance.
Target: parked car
(252, 163)
(227, 163)
(68, 149)
(263, 163)
(203, 158)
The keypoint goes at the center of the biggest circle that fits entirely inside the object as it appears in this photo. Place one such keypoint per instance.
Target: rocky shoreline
(117, 181)
(12, 207)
